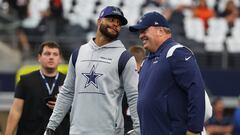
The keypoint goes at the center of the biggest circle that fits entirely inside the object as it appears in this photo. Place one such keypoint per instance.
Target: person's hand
(51, 101)
(191, 133)
(49, 131)
(51, 104)
(131, 132)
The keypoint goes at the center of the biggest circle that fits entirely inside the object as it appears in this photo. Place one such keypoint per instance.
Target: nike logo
(186, 59)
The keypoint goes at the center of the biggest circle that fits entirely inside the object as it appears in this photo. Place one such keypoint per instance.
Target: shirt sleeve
(130, 83)
(64, 99)
(20, 91)
(188, 77)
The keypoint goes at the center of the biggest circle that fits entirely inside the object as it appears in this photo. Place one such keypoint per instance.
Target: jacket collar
(168, 42)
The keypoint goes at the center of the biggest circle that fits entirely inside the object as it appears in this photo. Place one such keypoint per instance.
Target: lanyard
(46, 83)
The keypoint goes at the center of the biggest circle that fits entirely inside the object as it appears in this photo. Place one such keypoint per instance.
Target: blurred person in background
(171, 89)
(230, 13)
(99, 73)
(139, 54)
(35, 95)
(237, 119)
(21, 8)
(203, 12)
(38, 22)
(29, 13)
(219, 124)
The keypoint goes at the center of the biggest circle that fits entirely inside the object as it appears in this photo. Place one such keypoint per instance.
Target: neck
(49, 72)
(164, 38)
(160, 41)
(101, 40)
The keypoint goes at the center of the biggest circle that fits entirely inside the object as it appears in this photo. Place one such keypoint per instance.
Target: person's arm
(64, 99)
(130, 82)
(14, 116)
(187, 75)
(219, 129)
(228, 129)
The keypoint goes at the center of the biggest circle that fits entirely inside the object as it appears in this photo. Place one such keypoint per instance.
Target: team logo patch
(117, 12)
(92, 77)
(187, 58)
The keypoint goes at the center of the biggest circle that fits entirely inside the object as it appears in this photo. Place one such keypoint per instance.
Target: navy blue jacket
(171, 92)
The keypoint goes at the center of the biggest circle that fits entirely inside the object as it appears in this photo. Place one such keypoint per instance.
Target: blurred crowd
(223, 123)
(72, 22)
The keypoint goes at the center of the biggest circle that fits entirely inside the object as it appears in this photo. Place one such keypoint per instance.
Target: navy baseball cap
(150, 19)
(113, 11)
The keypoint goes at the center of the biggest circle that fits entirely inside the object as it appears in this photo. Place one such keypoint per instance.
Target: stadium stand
(198, 32)
(78, 22)
(233, 48)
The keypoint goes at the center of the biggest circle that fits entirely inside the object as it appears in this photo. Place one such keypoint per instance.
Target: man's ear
(99, 21)
(159, 31)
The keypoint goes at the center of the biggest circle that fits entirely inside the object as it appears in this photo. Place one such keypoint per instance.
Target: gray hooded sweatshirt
(94, 90)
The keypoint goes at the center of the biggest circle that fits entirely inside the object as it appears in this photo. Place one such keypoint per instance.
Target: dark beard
(103, 29)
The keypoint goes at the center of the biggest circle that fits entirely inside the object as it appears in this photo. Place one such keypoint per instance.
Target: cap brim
(137, 27)
(122, 19)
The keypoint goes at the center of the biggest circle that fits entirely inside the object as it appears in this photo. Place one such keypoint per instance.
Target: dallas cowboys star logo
(92, 77)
